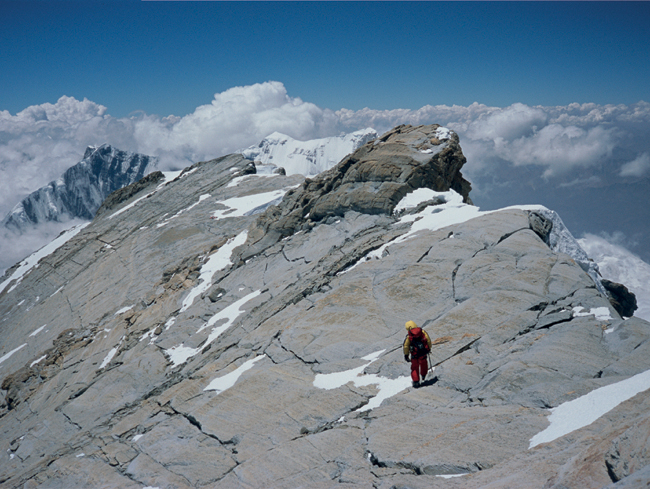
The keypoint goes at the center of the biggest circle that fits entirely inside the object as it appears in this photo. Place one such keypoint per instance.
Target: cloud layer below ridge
(510, 150)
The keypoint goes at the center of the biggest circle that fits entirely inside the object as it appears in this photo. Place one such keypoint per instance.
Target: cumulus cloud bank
(40, 142)
(556, 139)
(571, 146)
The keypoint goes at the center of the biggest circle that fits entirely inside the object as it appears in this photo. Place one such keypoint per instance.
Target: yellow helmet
(410, 325)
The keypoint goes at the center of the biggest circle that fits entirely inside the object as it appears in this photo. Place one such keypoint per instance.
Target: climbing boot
(416, 384)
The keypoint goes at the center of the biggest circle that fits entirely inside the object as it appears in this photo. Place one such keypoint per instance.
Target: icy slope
(307, 158)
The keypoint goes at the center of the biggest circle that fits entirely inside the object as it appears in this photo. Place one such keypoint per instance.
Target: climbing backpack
(418, 343)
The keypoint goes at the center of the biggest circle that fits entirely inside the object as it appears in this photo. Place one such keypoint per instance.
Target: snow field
(584, 410)
(307, 158)
(387, 387)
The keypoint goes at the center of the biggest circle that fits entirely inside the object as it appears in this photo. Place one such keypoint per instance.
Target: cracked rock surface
(181, 342)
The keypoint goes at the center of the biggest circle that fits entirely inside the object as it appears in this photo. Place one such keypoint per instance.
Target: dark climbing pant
(419, 367)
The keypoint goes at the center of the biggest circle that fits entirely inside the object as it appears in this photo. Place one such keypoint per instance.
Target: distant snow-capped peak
(306, 157)
(81, 189)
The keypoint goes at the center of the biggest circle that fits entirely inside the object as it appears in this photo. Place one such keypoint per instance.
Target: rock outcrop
(372, 180)
(228, 329)
(621, 298)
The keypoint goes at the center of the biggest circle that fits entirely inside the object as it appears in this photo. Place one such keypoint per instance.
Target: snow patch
(38, 330)
(8, 355)
(227, 381)
(250, 204)
(56, 291)
(415, 198)
(166, 221)
(601, 313)
(217, 261)
(583, 411)
(442, 133)
(455, 211)
(108, 357)
(170, 322)
(137, 437)
(387, 387)
(262, 171)
(180, 354)
(169, 176)
(122, 311)
(37, 361)
(32, 260)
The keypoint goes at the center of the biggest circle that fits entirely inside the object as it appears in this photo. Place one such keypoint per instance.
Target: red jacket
(416, 333)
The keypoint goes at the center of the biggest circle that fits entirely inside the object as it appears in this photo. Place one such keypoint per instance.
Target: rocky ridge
(196, 335)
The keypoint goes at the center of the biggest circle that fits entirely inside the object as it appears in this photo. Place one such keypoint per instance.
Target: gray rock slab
(330, 277)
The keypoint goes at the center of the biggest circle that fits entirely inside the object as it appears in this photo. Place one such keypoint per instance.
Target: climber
(418, 345)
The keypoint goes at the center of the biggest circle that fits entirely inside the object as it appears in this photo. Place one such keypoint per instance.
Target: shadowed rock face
(160, 348)
(621, 298)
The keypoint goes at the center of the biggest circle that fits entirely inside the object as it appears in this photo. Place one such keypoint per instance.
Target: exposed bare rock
(621, 298)
(242, 330)
(372, 180)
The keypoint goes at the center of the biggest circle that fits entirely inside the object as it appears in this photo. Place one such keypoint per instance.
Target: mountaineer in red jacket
(418, 345)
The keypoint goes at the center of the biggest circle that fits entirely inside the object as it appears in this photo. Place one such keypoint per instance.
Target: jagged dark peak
(372, 180)
(82, 188)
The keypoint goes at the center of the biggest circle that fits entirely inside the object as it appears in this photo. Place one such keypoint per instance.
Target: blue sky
(562, 92)
(170, 57)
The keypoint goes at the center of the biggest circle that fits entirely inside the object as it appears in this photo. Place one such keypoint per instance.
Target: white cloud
(619, 265)
(39, 143)
(559, 149)
(638, 167)
(516, 121)
(236, 118)
(557, 139)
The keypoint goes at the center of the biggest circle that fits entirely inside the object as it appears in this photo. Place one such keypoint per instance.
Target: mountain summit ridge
(172, 342)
